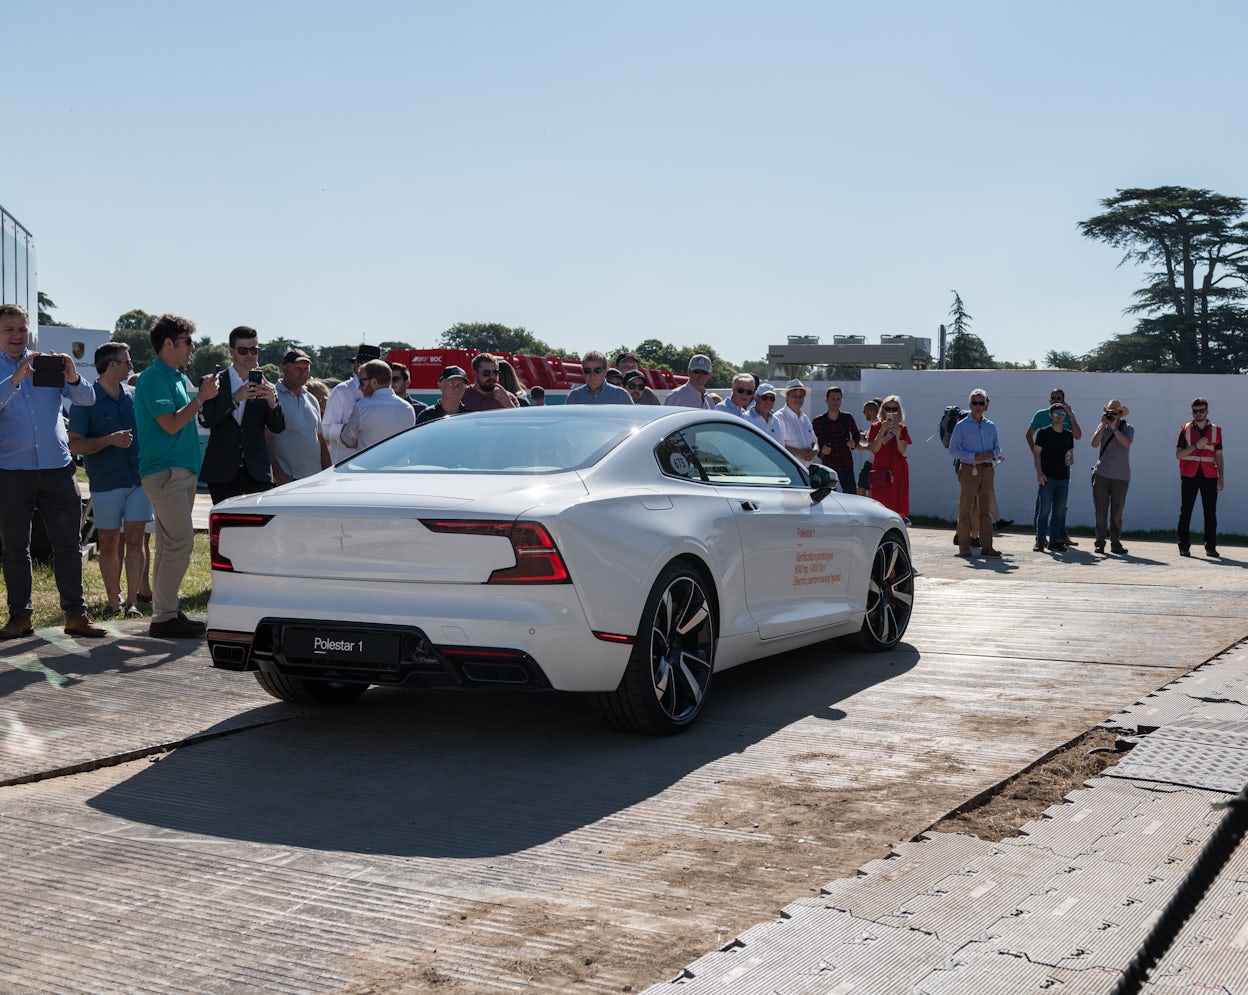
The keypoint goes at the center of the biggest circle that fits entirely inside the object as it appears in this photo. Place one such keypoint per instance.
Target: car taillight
(224, 520)
(538, 560)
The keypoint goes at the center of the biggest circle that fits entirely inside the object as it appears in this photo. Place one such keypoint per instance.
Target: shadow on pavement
(461, 775)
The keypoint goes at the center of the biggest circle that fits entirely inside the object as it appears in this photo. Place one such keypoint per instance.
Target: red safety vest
(1200, 460)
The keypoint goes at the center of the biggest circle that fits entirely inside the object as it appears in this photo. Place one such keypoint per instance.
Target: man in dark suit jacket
(237, 458)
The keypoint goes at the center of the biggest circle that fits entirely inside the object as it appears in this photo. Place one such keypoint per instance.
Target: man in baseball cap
(692, 394)
(452, 383)
(300, 451)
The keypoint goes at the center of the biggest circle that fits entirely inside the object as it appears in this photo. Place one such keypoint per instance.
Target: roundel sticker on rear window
(679, 464)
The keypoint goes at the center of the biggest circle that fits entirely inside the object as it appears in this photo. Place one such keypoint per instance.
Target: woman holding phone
(888, 440)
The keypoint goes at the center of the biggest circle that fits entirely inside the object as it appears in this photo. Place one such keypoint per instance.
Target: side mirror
(823, 481)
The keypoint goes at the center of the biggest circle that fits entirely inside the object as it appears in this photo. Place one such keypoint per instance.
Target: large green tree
(133, 328)
(966, 350)
(493, 337)
(46, 306)
(1192, 319)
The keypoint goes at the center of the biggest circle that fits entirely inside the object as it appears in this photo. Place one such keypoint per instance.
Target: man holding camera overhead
(237, 458)
(1111, 476)
(37, 474)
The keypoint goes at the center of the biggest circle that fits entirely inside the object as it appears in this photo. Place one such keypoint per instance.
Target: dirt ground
(775, 870)
(1024, 798)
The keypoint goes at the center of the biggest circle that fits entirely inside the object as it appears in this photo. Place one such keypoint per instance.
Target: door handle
(749, 506)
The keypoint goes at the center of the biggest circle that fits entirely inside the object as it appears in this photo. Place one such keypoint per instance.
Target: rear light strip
(224, 520)
(538, 560)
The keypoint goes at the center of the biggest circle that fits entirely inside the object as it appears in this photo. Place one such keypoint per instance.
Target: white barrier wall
(1159, 404)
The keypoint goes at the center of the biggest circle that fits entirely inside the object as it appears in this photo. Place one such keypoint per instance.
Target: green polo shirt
(162, 390)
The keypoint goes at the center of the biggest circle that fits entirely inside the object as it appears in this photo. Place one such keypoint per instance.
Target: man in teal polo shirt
(165, 411)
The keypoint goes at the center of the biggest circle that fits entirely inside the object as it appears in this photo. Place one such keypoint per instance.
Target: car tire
(890, 596)
(303, 692)
(669, 672)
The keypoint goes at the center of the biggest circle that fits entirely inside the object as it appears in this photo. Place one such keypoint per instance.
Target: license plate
(343, 645)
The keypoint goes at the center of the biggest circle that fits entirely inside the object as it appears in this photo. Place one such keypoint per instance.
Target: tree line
(1190, 313)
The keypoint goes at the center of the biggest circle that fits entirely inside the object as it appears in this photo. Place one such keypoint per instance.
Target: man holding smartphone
(237, 458)
(37, 475)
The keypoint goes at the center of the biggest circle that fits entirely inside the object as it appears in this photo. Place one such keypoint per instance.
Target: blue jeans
(1051, 517)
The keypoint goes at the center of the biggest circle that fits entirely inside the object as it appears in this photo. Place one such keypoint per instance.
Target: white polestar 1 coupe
(624, 552)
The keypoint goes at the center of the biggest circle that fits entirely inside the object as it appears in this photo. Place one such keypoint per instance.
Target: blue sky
(720, 172)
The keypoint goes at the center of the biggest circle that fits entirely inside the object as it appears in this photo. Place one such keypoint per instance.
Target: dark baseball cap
(453, 371)
(296, 356)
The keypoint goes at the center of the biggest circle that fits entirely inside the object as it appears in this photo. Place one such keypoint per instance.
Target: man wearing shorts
(104, 435)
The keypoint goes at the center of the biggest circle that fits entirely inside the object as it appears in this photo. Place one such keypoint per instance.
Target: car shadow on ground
(462, 775)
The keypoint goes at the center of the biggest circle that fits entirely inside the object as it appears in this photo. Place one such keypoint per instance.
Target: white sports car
(627, 552)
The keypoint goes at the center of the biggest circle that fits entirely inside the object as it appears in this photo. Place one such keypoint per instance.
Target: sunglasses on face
(892, 409)
(247, 350)
(1199, 411)
(979, 404)
(742, 390)
(591, 369)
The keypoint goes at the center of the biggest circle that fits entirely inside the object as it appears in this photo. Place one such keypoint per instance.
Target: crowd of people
(138, 438)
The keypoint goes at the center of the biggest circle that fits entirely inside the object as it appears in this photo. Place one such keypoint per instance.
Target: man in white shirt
(692, 394)
(342, 399)
(799, 434)
(762, 414)
(379, 414)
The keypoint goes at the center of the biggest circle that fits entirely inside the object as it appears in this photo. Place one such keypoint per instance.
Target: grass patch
(196, 587)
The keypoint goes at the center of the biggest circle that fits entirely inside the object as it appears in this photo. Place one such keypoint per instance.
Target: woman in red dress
(888, 440)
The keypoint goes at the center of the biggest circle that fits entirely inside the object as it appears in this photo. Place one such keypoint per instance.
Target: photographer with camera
(1111, 476)
(37, 474)
(237, 458)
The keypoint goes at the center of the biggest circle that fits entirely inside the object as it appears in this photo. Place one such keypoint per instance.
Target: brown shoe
(990, 552)
(81, 625)
(19, 625)
(964, 552)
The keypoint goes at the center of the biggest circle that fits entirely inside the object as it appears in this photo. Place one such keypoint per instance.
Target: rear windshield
(486, 443)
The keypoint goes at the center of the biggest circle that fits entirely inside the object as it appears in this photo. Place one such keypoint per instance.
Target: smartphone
(49, 371)
(255, 376)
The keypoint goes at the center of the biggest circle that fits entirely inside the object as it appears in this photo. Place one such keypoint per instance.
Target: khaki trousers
(172, 493)
(972, 485)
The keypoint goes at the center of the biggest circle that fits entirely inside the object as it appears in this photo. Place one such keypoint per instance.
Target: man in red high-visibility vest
(1199, 450)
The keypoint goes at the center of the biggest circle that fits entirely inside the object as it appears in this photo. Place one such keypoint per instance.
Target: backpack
(952, 415)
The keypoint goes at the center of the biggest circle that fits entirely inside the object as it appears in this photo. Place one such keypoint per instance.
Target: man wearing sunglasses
(595, 389)
(236, 460)
(1199, 450)
(1043, 419)
(742, 396)
(692, 394)
(975, 444)
(486, 393)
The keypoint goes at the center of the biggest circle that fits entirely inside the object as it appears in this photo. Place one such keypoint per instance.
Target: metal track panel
(833, 953)
(1210, 954)
(981, 969)
(1204, 754)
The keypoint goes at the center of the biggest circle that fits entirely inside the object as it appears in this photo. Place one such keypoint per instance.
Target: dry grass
(1024, 798)
(195, 587)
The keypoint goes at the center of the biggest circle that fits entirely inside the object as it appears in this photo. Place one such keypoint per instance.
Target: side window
(676, 459)
(727, 454)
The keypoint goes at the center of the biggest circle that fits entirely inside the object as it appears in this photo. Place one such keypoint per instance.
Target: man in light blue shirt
(37, 474)
(974, 442)
(379, 414)
(741, 399)
(595, 389)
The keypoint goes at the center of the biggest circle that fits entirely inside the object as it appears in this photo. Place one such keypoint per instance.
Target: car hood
(366, 526)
